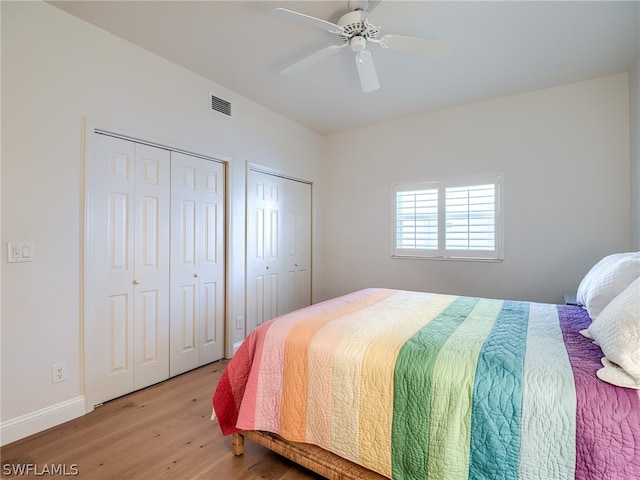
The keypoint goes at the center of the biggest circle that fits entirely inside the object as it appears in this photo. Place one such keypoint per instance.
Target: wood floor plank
(162, 432)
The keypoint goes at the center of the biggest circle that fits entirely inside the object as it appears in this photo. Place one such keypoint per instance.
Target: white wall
(564, 153)
(634, 104)
(57, 70)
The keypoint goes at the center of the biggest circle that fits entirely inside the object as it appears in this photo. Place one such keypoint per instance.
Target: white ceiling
(501, 48)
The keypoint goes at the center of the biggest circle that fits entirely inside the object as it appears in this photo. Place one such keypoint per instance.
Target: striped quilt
(427, 386)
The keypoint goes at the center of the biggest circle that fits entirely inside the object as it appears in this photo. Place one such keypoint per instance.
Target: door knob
(136, 282)
(195, 275)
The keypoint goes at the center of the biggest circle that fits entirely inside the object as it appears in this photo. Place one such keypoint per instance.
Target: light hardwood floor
(163, 431)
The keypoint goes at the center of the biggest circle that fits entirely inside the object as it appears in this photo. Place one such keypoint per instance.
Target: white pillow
(607, 279)
(592, 276)
(617, 331)
(612, 373)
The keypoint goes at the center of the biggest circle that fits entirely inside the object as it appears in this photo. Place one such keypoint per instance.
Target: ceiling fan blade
(367, 72)
(419, 46)
(306, 20)
(310, 60)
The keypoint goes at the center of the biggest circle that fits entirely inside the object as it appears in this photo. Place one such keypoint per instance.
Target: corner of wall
(634, 150)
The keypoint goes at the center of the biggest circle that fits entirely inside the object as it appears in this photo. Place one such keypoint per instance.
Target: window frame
(441, 252)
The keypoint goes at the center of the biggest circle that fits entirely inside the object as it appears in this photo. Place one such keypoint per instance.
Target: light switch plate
(20, 252)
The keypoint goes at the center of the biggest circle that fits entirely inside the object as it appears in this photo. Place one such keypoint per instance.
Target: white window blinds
(452, 218)
(470, 217)
(417, 219)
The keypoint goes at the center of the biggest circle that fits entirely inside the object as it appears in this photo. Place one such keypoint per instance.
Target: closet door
(197, 262)
(278, 246)
(299, 244)
(265, 267)
(130, 266)
(151, 265)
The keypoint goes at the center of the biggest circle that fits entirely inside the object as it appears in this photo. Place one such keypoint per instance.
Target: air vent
(220, 105)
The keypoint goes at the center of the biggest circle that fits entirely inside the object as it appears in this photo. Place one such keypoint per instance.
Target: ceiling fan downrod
(358, 4)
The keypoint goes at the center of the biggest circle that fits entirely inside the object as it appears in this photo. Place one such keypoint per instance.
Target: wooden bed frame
(312, 457)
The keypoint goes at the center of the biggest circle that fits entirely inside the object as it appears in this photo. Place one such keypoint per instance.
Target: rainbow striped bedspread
(427, 386)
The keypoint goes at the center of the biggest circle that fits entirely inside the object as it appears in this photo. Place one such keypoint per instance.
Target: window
(452, 218)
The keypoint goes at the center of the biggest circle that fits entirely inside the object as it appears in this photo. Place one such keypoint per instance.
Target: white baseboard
(34, 422)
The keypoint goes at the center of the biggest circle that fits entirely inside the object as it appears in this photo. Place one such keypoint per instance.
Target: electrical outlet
(239, 323)
(59, 372)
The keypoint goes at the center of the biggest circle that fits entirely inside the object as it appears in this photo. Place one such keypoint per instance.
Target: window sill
(464, 259)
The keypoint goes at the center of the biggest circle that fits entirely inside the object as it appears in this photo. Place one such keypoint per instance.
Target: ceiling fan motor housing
(355, 24)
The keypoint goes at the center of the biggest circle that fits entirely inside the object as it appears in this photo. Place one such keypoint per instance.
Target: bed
(384, 383)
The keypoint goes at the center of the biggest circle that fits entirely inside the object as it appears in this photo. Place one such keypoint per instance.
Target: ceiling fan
(356, 32)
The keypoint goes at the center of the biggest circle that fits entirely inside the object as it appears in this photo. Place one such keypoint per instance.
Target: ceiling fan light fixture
(357, 43)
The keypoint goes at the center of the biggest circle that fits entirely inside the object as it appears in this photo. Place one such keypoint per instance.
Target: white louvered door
(130, 265)
(197, 262)
(278, 246)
